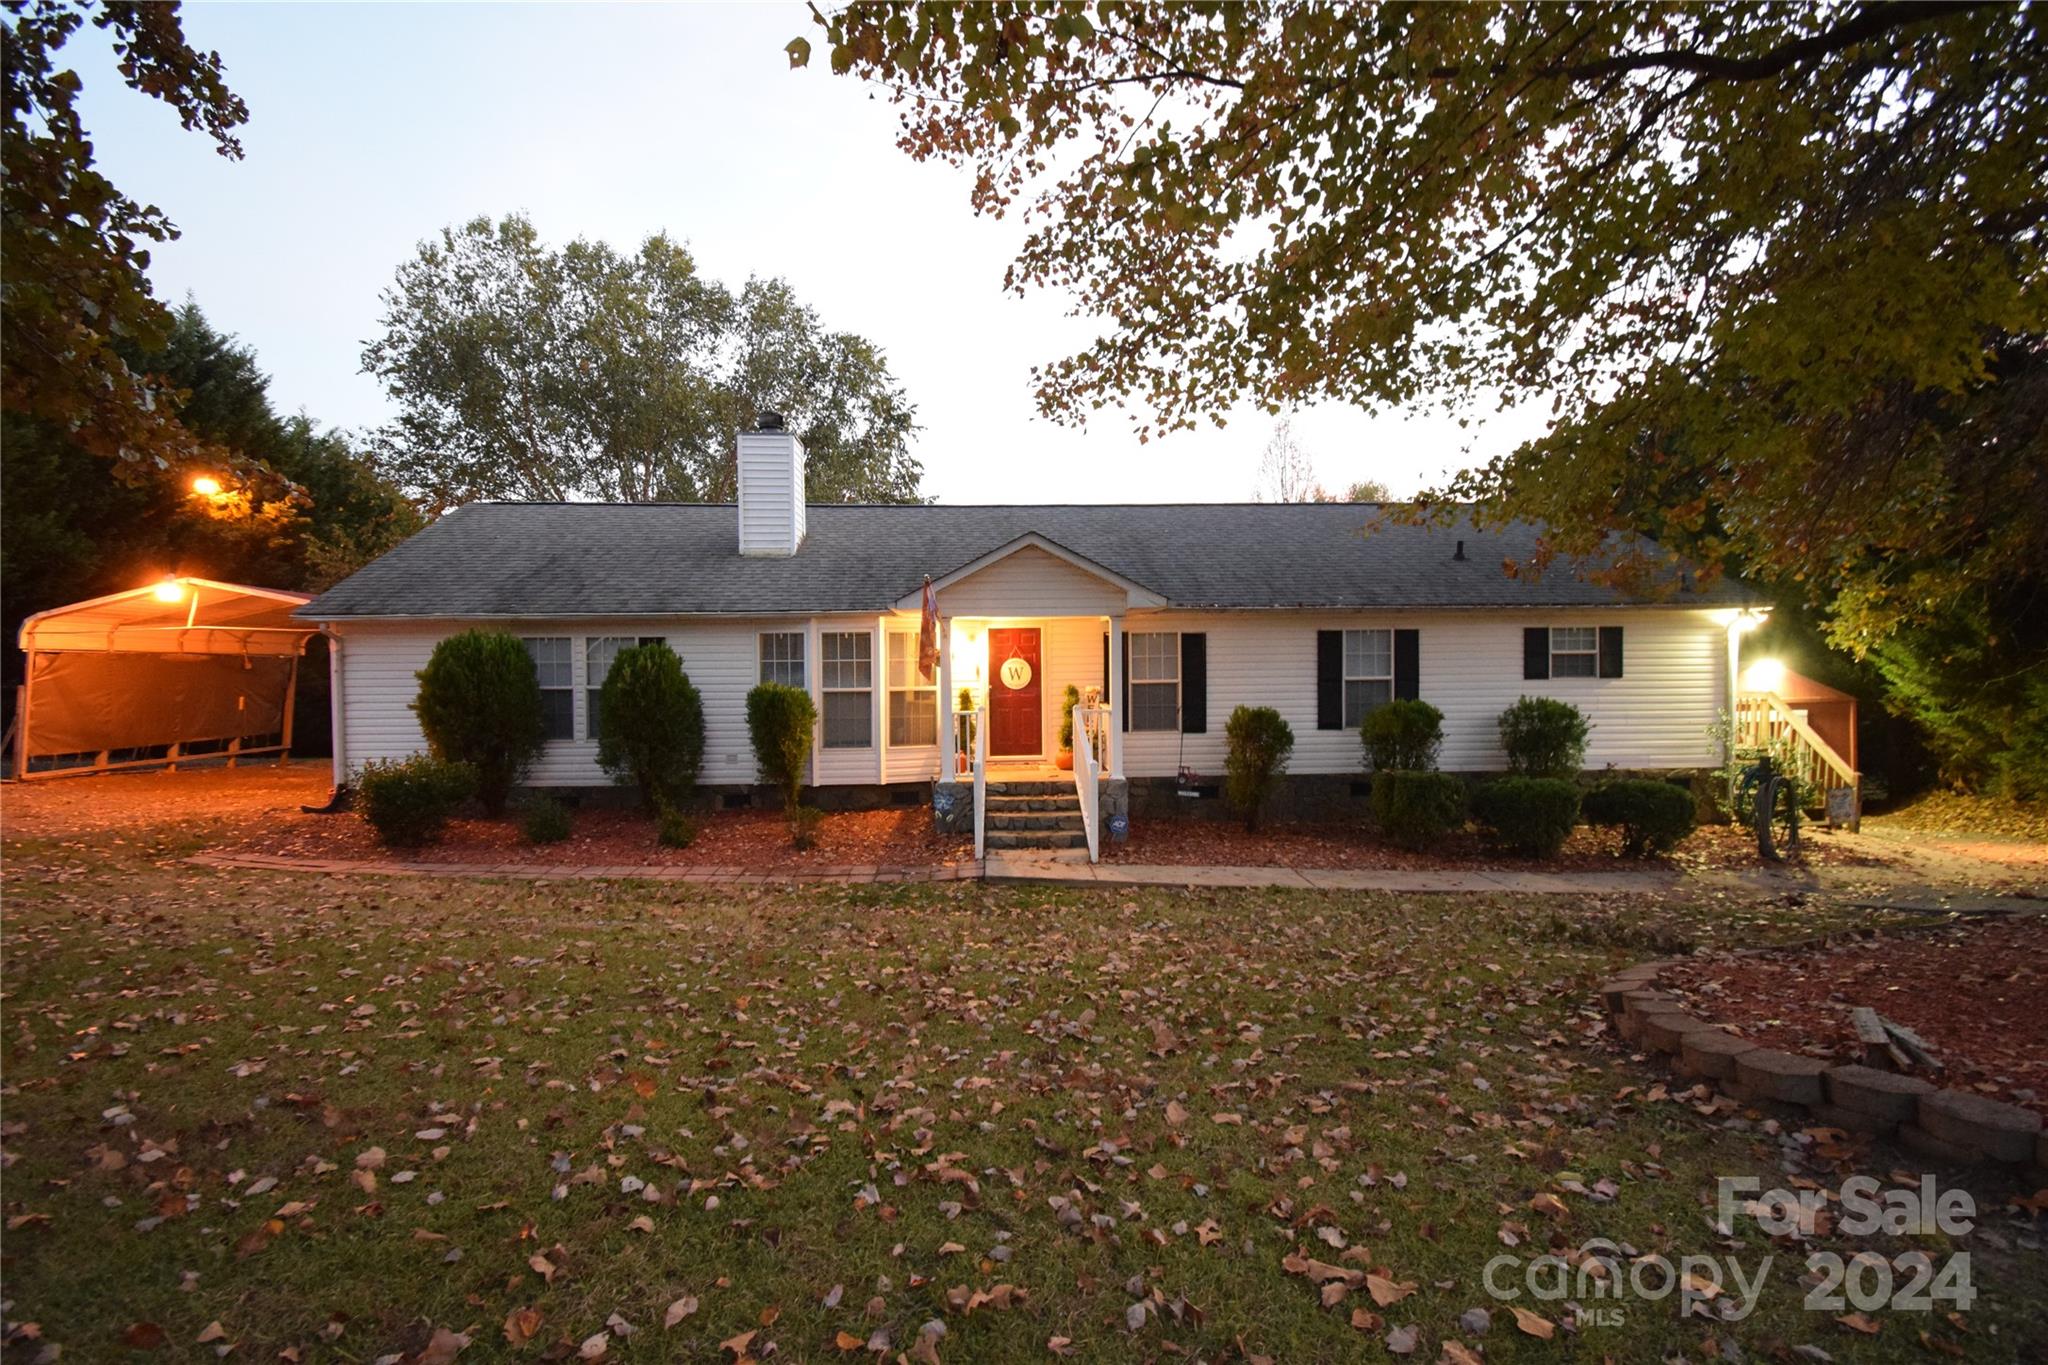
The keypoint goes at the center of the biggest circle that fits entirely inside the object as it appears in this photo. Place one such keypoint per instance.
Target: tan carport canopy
(182, 669)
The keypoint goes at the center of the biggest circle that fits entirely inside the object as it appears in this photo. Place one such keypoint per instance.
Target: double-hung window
(551, 666)
(1574, 652)
(1155, 680)
(848, 679)
(599, 653)
(1368, 673)
(782, 657)
(913, 702)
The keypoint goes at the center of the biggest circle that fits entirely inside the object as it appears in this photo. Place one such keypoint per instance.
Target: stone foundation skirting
(1956, 1127)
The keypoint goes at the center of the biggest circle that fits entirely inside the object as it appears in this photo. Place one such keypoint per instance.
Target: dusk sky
(373, 126)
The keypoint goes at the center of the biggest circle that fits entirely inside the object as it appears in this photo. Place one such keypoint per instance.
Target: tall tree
(522, 371)
(1287, 472)
(1779, 268)
(73, 297)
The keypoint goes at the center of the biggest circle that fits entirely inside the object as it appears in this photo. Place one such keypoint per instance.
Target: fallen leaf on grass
(1386, 1292)
(1458, 1353)
(680, 1309)
(1402, 1340)
(1860, 1322)
(521, 1324)
(143, 1336)
(847, 1341)
(1535, 1324)
(1365, 1320)
(740, 1344)
(212, 1332)
(443, 1347)
(595, 1346)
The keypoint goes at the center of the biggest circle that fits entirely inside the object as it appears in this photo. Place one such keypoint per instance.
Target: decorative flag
(928, 635)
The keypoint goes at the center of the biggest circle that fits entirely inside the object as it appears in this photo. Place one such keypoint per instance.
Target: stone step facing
(996, 789)
(1069, 802)
(1065, 821)
(1035, 838)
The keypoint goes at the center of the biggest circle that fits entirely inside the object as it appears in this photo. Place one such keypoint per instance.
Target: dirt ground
(1973, 990)
(256, 808)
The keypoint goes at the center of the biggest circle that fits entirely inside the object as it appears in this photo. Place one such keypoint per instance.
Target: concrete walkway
(1076, 870)
(1042, 869)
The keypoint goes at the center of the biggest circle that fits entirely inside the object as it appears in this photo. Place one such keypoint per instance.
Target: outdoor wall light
(1765, 675)
(170, 590)
(206, 486)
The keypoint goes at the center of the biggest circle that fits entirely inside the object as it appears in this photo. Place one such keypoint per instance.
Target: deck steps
(1034, 814)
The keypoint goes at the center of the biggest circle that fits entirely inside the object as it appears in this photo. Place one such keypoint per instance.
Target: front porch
(1030, 731)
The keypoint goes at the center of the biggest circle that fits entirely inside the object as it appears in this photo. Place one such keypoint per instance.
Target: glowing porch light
(1765, 675)
(170, 590)
(206, 486)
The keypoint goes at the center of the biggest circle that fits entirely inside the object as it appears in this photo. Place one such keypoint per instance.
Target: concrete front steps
(1034, 815)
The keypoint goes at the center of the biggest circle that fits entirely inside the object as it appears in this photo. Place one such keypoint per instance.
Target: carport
(180, 670)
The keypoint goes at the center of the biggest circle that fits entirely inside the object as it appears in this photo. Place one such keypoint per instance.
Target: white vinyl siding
(1028, 581)
(1368, 673)
(1656, 717)
(550, 654)
(1574, 651)
(1155, 681)
(913, 702)
(782, 658)
(847, 673)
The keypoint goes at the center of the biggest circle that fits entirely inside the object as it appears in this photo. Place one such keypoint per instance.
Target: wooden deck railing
(1767, 720)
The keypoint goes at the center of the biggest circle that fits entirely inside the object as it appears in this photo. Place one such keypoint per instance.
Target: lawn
(341, 1119)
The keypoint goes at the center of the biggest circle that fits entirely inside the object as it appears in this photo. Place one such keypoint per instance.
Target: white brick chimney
(771, 461)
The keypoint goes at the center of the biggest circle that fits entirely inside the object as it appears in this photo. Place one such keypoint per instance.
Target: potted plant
(1064, 760)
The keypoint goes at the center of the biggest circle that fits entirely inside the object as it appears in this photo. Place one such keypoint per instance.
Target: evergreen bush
(1654, 816)
(544, 820)
(408, 801)
(651, 731)
(780, 720)
(1544, 737)
(479, 704)
(677, 829)
(803, 826)
(1532, 816)
(1415, 809)
(1260, 741)
(1402, 736)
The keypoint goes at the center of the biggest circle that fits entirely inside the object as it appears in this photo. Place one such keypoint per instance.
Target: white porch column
(1116, 696)
(946, 764)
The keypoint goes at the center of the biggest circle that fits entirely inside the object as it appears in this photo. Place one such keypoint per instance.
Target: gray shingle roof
(603, 559)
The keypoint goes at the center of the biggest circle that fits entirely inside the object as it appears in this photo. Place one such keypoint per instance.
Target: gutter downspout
(337, 708)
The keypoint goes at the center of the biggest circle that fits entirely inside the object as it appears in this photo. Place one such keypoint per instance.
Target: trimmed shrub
(803, 825)
(1653, 816)
(1544, 737)
(1071, 700)
(479, 704)
(1402, 736)
(780, 719)
(1415, 809)
(677, 830)
(651, 730)
(544, 820)
(1532, 816)
(1260, 741)
(408, 801)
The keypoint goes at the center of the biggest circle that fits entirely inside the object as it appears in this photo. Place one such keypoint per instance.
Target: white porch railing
(978, 738)
(1091, 728)
(1765, 719)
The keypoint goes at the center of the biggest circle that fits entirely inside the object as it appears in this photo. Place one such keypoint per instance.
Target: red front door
(1014, 725)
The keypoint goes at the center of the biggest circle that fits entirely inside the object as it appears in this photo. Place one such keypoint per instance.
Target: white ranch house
(1164, 616)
